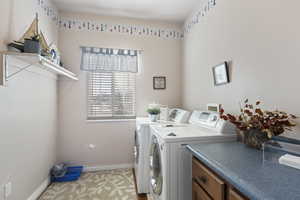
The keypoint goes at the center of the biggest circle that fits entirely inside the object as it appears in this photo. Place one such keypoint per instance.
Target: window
(111, 95)
(111, 82)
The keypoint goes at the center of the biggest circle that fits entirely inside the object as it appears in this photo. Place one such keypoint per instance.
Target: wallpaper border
(129, 29)
(196, 18)
(48, 9)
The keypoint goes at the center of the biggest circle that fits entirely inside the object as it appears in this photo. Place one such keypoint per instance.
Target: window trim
(109, 120)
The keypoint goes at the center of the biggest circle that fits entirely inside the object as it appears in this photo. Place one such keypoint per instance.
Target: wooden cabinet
(209, 186)
(199, 193)
(208, 181)
(233, 195)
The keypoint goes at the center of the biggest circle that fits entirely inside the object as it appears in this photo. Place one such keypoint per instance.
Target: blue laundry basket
(73, 174)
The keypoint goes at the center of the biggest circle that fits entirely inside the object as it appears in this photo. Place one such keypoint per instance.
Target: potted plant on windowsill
(153, 113)
(257, 126)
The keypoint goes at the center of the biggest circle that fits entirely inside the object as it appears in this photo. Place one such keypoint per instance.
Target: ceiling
(165, 10)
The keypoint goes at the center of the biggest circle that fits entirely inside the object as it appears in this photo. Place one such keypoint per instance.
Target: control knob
(214, 118)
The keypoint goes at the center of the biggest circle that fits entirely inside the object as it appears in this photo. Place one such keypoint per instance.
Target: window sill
(109, 120)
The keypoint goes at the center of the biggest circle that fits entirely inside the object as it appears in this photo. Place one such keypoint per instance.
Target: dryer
(142, 145)
(170, 162)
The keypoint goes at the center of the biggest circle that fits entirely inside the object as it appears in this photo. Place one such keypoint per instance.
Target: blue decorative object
(53, 54)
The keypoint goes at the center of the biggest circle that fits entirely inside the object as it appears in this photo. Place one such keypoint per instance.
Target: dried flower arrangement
(257, 125)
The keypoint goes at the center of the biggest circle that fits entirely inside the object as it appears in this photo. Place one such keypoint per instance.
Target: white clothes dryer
(142, 145)
(170, 162)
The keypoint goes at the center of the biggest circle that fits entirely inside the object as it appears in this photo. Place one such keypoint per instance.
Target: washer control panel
(205, 118)
(212, 120)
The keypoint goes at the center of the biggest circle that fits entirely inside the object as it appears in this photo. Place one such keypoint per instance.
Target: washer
(170, 162)
(142, 145)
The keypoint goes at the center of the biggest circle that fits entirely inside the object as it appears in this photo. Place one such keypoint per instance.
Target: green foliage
(153, 111)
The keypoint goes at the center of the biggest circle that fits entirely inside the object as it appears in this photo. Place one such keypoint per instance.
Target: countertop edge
(227, 177)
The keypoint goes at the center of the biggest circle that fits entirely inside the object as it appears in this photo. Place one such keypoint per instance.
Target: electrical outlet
(7, 189)
(92, 146)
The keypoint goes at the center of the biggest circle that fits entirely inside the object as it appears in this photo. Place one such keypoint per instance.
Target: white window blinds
(111, 93)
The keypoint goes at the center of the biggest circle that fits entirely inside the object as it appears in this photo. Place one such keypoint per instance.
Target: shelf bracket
(15, 73)
(5, 74)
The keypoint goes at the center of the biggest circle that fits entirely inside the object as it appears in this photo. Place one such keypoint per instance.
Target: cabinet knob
(201, 179)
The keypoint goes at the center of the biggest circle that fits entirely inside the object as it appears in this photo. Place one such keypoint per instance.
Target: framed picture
(159, 82)
(221, 75)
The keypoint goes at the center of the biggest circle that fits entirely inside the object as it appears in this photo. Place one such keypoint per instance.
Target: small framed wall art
(221, 75)
(159, 82)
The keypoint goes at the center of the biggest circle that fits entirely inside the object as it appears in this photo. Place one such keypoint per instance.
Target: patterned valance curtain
(109, 60)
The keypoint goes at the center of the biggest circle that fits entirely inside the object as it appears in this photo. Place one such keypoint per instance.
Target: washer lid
(188, 133)
(147, 121)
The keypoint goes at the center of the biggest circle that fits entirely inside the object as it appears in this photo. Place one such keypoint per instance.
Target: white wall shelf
(30, 60)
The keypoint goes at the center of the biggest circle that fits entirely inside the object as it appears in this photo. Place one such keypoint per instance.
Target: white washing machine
(177, 117)
(170, 162)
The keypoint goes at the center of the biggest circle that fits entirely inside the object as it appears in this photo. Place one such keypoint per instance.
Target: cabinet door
(211, 183)
(199, 193)
(233, 195)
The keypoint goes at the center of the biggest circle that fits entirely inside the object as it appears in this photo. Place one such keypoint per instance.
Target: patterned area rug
(103, 185)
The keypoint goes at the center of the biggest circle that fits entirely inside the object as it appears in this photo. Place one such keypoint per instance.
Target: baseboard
(37, 193)
(106, 167)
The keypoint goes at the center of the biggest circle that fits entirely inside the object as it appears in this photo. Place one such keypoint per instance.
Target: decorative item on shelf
(32, 41)
(15, 47)
(153, 111)
(221, 75)
(257, 126)
(159, 82)
(44, 45)
(32, 45)
(54, 54)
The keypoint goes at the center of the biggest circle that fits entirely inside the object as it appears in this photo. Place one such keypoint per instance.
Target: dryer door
(156, 176)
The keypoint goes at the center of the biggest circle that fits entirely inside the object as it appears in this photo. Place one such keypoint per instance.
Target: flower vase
(153, 118)
(254, 138)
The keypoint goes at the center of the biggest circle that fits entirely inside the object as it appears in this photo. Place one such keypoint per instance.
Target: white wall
(113, 140)
(4, 24)
(28, 121)
(260, 39)
(28, 117)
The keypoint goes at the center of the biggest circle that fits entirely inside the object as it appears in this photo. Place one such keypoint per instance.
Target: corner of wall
(39, 191)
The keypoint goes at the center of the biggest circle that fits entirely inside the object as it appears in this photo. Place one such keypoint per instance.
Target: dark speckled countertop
(243, 168)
